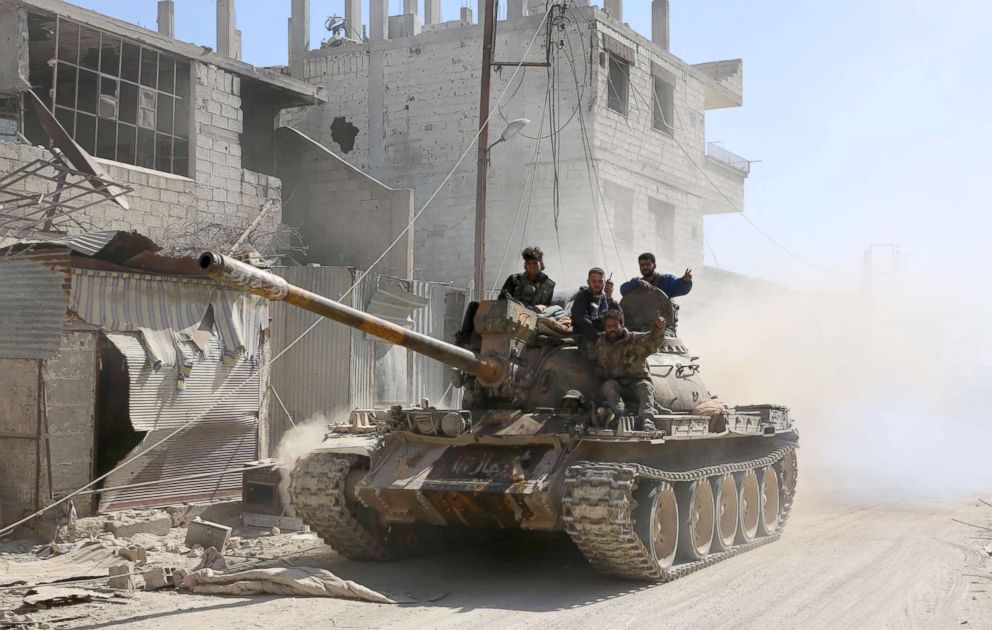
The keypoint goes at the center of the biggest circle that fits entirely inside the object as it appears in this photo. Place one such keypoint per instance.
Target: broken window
(619, 84)
(119, 100)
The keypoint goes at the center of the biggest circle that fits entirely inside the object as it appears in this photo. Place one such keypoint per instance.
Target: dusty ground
(838, 565)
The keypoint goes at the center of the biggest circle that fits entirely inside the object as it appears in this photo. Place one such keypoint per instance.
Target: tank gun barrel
(238, 275)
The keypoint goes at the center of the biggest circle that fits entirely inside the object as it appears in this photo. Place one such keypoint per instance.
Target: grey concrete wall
(346, 217)
(14, 44)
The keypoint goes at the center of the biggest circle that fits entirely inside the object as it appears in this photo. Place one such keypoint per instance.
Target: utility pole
(482, 167)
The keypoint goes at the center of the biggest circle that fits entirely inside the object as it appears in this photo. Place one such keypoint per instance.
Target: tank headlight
(424, 423)
(453, 425)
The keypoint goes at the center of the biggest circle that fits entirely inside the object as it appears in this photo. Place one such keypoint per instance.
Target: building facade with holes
(629, 157)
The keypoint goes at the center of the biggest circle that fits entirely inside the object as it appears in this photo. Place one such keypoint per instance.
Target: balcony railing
(728, 158)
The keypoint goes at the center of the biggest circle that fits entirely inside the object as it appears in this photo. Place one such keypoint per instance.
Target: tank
(710, 482)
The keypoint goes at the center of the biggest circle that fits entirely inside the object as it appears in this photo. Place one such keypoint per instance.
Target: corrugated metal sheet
(314, 377)
(395, 304)
(87, 244)
(34, 296)
(129, 302)
(212, 386)
(429, 378)
(336, 369)
(363, 357)
(225, 437)
(205, 447)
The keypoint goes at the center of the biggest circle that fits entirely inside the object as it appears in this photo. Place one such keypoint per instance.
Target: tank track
(317, 492)
(598, 508)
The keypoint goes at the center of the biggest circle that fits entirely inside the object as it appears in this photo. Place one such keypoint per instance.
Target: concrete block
(158, 524)
(207, 534)
(120, 578)
(160, 577)
(135, 554)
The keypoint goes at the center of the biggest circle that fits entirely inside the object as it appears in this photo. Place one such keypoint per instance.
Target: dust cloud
(295, 444)
(892, 394)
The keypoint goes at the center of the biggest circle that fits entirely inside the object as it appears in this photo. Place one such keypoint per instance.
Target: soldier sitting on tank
(533, 287)
(591, 303)
(650, 278)
(621, 358)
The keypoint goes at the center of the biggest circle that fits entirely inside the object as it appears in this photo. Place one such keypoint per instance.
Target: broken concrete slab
(51, 597)
(207, 534)
(158, 523)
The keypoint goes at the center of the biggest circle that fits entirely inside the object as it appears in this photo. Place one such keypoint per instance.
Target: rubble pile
(113, 558)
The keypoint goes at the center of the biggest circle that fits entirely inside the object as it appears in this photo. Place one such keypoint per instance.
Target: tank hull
(531, 479)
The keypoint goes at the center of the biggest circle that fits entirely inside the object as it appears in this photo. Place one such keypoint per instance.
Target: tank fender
(363, 445)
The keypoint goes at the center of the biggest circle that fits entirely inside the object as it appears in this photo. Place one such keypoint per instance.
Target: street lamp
(482, 168)
(512, 128)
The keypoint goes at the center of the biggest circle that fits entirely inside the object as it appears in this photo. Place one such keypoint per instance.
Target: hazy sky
(869, 118)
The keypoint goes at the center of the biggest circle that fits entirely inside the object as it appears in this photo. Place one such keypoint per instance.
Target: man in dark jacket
(591, 303)
(621, 359)
(672, 286)
(532, 287)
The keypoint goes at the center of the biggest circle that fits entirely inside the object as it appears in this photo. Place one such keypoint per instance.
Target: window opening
(664, 226)
(664, 106)
(619, 84)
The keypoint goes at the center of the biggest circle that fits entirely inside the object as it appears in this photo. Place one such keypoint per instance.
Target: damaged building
(102, 360)
(619, 165)
(116, 140)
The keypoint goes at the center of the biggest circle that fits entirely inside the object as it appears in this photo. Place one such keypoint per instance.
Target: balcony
(723, 83)
(715, 152)
(725, 172)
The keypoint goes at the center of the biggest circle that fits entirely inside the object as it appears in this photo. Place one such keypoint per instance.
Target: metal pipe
(239, 275)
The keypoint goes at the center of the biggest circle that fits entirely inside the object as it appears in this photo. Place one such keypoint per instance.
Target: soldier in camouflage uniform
(621, 357)
(532, 287)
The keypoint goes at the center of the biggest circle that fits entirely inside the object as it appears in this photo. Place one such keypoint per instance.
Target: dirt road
(838, 566)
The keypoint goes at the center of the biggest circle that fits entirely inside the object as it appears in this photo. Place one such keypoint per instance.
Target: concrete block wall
(415, 102)
(70, 399)
(19, 391)
(649, 161)
(167, 208)
(226, 194)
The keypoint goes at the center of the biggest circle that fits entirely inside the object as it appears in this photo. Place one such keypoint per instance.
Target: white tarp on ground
(89, 560)
(290, 581)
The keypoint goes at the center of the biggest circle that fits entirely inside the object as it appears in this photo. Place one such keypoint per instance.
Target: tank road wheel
(770, 502)
(656, 521)
(697, 517)
(320, 494)
(727, 512)
(749, 501)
